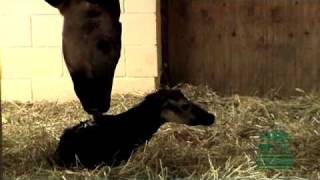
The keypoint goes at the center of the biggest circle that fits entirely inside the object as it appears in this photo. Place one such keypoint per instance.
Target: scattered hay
(225, 150)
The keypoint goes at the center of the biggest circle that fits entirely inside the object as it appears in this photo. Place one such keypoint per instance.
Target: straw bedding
(226, 150)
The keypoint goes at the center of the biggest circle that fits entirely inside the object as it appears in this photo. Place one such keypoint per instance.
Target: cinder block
(16, 90)
(46, 30)
(40, 7)
(121, 6)
(121, 67)
(15, 31)
(139, 29)
(140, 6)
(26, 7)
(31, 62)
(53, 89)
(141, 61)
(65, 73)
(133, 85)
(0, 69)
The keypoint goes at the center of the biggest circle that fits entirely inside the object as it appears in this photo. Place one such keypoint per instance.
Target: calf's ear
(54, 3)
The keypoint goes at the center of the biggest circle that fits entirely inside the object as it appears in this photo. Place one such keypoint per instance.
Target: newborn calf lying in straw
(112, 138)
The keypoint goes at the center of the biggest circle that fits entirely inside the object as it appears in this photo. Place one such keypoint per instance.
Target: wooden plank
(217, 36)
(176, 26)
(283, 46)
(248, 47)
(308, 66)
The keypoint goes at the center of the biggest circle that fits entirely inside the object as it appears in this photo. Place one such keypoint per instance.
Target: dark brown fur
(112, 138)
(91, 48)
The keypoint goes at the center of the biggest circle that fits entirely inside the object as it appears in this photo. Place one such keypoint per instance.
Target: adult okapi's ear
(55, 3)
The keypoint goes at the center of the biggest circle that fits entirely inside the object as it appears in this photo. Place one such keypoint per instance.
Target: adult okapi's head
(91, 48)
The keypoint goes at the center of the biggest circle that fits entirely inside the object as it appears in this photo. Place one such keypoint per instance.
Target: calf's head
(91, 48)
(175, 107)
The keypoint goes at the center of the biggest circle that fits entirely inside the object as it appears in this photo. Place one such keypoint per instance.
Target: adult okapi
(91, 48)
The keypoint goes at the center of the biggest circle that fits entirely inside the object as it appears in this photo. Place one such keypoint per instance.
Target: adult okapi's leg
(91, 48)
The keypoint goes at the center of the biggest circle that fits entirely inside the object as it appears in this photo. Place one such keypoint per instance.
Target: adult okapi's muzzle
(91, 48)
(94, 93)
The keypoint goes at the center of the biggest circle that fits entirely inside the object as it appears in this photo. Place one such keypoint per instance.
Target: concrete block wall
(31, 55)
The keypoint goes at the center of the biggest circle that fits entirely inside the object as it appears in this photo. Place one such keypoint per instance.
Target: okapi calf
(112, 138)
